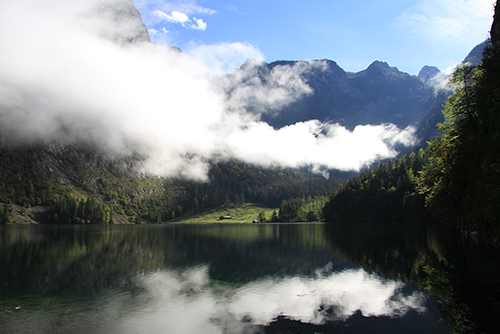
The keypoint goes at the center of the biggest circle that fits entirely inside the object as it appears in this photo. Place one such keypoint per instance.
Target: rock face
(120, 21)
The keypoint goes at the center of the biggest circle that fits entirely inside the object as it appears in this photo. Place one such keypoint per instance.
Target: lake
(245, 278)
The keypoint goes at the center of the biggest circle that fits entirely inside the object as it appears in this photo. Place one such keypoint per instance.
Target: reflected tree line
(54, 260)
(88, 260)
(459, 270)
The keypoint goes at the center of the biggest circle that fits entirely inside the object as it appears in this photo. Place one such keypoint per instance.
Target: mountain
(282, 93)
(379, 94)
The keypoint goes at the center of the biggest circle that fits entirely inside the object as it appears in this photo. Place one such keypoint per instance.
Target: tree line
(77, 186)
(297, 209)
(387, 192)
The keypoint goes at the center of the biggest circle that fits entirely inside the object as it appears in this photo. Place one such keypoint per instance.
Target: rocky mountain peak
(379, 64)
(379, 68)
(427, 73)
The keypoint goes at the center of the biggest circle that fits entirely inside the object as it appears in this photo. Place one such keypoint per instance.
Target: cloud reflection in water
(188, 302)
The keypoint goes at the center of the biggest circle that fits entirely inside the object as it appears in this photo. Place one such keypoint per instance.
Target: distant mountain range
(379, 94)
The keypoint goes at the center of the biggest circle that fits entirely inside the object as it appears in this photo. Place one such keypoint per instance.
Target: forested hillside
(76, 184)
(456, 179)
(461, 181)
(386, 193)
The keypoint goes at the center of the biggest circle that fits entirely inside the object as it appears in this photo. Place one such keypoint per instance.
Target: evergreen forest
(74, 185)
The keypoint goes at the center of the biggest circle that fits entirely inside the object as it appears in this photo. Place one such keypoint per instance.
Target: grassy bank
(241, 213)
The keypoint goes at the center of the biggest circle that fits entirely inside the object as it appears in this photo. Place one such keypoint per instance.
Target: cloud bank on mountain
(266, 90)
(84, 70)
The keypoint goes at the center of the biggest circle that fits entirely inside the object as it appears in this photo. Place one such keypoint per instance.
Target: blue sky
(405, 33)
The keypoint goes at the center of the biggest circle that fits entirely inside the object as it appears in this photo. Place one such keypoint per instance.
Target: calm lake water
(235, 278)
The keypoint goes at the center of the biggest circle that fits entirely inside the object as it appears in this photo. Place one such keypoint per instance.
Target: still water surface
(258, 278)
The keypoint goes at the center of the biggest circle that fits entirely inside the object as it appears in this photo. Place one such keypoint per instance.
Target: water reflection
(213, 279)
(187, 301)
(457, 268)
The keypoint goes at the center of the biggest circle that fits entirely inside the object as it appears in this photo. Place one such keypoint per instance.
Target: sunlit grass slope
(240, 213)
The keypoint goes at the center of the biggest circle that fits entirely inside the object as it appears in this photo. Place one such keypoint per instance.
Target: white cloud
(186, 6)
(154, 11)
(257, 88)
(64, 78)
(315, 144)
(440, 82)
(233, 8)
(71, 85)
(315, 300)
(223, 57)
(182, 18)
(199, 25)
(175, 16)
(161, 35)
(450, 21)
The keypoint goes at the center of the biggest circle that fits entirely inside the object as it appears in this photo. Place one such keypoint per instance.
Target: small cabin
(225, 217)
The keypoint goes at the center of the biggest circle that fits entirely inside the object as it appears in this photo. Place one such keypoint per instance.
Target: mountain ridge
(377, 95)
